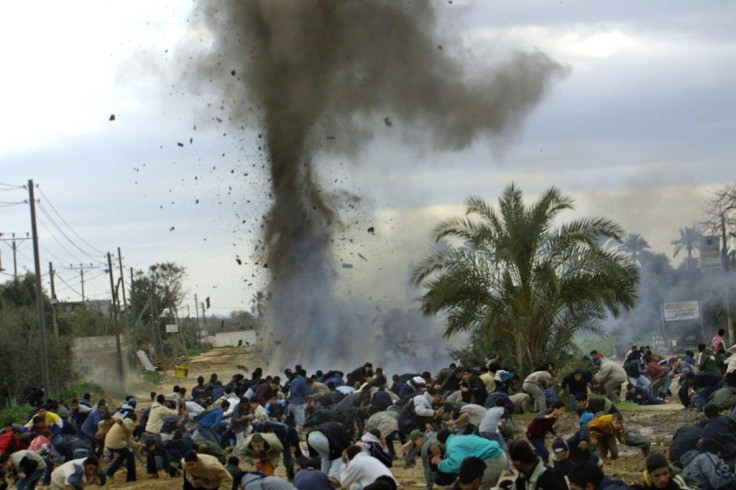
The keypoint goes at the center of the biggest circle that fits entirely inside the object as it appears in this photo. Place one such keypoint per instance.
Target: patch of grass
(195, 351)
(626, 406)
(16, 413)
(153, 377)
(78, 389)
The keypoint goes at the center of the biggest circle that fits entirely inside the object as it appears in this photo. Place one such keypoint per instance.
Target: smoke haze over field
(317, 76)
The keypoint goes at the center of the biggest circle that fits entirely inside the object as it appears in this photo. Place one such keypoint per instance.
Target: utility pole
(115, 318)
(14, 245)
(726, 269)
(199, 325)
(81, 270)
(39, 294)
(122, 282)
(53, 300)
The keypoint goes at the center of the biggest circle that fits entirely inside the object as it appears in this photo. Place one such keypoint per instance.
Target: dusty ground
(656, 423)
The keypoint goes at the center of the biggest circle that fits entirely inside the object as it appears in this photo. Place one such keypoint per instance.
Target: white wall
(225, 339)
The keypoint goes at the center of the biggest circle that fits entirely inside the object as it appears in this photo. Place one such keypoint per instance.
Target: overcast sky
(641, 130)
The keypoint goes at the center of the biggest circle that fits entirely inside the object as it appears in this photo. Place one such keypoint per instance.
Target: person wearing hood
(589, 476)
(412, 386)
(705, 466)
(658, 475)
(533, 473)
(359, 468)
(373, 443)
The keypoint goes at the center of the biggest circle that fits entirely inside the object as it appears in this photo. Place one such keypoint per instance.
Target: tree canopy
(526, 286)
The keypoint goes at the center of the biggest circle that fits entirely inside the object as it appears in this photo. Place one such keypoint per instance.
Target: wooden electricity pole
(39, 294)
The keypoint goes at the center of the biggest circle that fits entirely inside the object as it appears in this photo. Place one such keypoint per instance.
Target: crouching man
(77, 474)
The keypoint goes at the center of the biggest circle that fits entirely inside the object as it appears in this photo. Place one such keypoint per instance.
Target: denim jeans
(539, 446)
(123, 455)
(30, 481)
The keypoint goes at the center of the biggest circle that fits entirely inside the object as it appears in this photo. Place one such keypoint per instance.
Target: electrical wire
(11, 187)
(68, 286)
(56, 225)
(53, 236)
(7, 204)
(92, 247)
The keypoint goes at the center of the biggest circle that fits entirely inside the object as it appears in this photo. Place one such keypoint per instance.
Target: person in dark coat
(329, 440)
(360, 375)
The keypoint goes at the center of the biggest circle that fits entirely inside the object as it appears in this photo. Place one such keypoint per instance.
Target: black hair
(588, 472)
(521, 451)
(558, 404)
(375, 432)
(471, 469)
(711, 411)
(233, 460)
(721, 332)
(442, 435)
(91, 460)
(190, 456)
(383, 482)
(352, 451)
(161, 399)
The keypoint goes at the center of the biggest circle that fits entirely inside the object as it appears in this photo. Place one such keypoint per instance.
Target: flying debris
(347, 266)
(180, 144)
(362, 257)
(387, 121)
(112, 117)
(372, 230)
(237, 259)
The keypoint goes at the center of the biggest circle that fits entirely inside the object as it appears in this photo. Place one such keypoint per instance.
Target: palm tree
(528, 287)
(689, 240)
(634, 245)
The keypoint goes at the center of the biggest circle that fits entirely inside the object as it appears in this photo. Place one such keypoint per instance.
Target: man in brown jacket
(205, 472)
(119, 441)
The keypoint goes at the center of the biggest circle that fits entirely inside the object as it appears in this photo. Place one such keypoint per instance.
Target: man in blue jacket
(298, 392)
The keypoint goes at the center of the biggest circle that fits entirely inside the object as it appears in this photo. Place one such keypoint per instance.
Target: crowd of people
(328, 429)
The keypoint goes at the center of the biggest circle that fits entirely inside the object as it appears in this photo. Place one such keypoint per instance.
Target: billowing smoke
(308, 71)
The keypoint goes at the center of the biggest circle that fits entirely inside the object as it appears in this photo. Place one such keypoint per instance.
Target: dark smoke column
(316, 67)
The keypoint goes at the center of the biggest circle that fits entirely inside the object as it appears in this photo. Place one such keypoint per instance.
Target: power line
(51, 219)
(76, 259)
(69, 226)
(11, 187)
(7, 204)
(68, 286)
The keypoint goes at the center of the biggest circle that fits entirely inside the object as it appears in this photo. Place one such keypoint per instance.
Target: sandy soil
(657, 423)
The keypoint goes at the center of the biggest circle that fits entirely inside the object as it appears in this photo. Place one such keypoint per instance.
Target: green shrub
(77, 390)
(16, 413)
(153, 377)
(201, 349)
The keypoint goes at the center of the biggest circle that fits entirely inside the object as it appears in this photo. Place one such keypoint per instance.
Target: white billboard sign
(172, 328)
(710, 253)
(683, 310)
